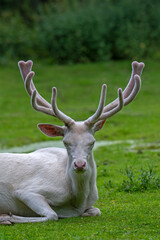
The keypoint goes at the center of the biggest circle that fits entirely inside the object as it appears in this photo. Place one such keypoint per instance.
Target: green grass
(78, 96)
(125, 215)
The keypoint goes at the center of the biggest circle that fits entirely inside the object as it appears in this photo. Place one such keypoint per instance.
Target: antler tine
(60, 115)
(27, 75)
(96, 115)
(135, 90)
(116, 109)
(25, 68)
(29, 85)
(39, 107)
(137, 69)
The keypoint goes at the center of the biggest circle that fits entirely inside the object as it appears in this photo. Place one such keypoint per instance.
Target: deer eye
(67, 144)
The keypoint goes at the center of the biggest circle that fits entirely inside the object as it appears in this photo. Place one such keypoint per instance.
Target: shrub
(136, 28)
(75, 31)
(98, 30)
(75, 35)
(15, 38)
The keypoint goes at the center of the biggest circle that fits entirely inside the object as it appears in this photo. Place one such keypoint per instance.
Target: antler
(37, 101)
(102, 113)
(123, 99)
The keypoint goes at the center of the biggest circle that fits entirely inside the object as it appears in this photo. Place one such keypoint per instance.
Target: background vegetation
(72, 31)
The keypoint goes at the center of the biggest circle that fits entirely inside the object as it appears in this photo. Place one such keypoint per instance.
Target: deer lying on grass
(54, 183)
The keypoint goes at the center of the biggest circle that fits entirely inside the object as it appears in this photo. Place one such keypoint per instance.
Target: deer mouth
(80, 167)
(79, 170)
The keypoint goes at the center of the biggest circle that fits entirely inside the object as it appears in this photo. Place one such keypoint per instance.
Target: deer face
(79, 141)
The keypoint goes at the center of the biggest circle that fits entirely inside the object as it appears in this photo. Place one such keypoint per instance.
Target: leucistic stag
(54, 183)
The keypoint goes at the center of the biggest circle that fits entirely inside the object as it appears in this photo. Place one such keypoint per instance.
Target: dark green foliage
(146, 179)
(136, 29)
(15, 38)
(75, 31)
(77, 35)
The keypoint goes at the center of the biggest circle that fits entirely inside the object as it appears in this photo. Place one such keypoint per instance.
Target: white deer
(54, 183)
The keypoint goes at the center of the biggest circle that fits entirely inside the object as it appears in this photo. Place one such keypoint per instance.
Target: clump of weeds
(146, 179)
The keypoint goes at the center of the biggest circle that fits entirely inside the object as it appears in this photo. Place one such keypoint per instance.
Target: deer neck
(82, 183)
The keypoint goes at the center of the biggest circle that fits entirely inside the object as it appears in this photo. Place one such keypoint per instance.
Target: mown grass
(125, 215)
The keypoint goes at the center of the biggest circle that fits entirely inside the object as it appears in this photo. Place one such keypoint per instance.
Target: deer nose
(80, 165)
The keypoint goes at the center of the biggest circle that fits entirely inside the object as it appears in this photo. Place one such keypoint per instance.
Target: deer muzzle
(80, 166)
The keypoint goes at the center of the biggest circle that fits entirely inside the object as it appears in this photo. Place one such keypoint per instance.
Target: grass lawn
(128, 181)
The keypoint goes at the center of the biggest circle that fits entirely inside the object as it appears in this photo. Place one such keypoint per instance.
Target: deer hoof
(5, 220)
(91, 212)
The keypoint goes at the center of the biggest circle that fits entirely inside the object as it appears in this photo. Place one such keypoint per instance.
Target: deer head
(78, 137)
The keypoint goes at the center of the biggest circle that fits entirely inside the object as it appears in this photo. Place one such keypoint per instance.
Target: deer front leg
(10, 219)
(91, 212)
(35, 202)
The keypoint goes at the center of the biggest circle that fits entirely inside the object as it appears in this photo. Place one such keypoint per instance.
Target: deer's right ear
(51, 130)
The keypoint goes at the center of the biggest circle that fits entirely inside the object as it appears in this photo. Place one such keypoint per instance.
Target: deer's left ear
(97, 126)
(51, 130)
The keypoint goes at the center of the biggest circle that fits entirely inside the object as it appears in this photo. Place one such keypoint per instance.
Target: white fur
(44, 185)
